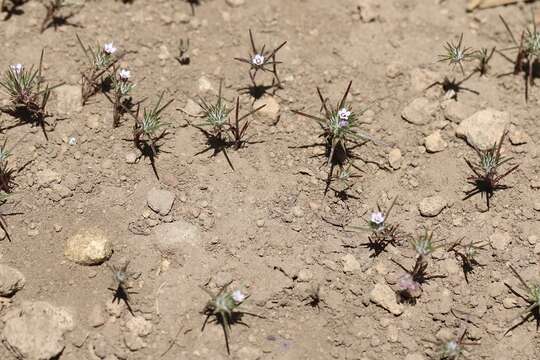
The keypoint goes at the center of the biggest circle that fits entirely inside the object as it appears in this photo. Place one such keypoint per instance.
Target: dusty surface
(267, 225)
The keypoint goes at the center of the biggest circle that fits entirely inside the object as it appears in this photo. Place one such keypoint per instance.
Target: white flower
(377, 218)
(238, 296)
(109, 48)
(258, 60)
(344, 114)
(17, 68)
(124, 74)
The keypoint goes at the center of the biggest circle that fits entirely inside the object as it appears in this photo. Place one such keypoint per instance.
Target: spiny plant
(410, 283)
(122, 100)
(11, 7)
(121, 284)
(28, 93)
(313, 297)
(483, 56)
(262, 59)
(382, 233)
(342, 181)
(531, 297)
(486, 177)
(183, 52)
(58, 12)
(97, 74)
(467, 253)
(147, 131)
(224, 132)
(456, 54)
(453, 349)
(528, 53)
(224, 307)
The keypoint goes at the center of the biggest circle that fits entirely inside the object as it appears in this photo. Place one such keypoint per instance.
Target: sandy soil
(267, 226)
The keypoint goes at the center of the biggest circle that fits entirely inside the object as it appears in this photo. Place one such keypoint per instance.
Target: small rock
(235, 3)
(500, 240)
(350, 264)
(161, 201)
(139, 326)
(133, 342)
(420, 111)
(518, 137)
(35, 330)
(483, 129)
(46, 177)
(394, 69)
(394, 158)
(435, 143)
(11, 280)
(173, 237)
(88, 247)
(456, 111)
(62, 191)
(205, 86)
(432, 206)
(69, 99)
(270, 111)
(421, 79)
(131, 157)
(509, 303)
(192, 108)
(305, 275)
(384, 296)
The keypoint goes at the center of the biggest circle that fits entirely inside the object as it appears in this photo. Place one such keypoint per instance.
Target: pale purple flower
(17, 68)
(343, 123)
(238, 296)
(377, 218)
(407, 283)
(109, 48)
(344, 114)
(124, 74)
(258, 60)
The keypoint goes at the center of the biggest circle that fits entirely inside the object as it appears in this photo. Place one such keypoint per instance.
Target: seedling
(483, 56)
(58, 13)
(342, 182)
(122, 286)
(28, 93)
(147, 130)
(262, 59)
(410, 283)
(340, 127)
(532, 298)
(455, 54)
(11, 7)
(453, 349)
(486, 178)
(223, 132)
(467, 253)
(183, 55)
(528, 53)
(122, 100)
(382, 232)
(224, 307)
(97, 75)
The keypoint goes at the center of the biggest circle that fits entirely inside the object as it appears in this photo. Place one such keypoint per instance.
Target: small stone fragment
(161, 201)
(350, 264)
(484, 129)
(394, 158)
(205, 86)
(432, 206)
(420, 111)
(131, 157)
(518, 137)
(456, 111)
(500, 240)
(435, 143)
(88, 247)
(384, 296)
(11, 280)
(270, 111)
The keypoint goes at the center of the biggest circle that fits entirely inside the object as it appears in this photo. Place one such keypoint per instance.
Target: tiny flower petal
(258, 60)
(343, 123)
(124, 74)
(17, 68)
(238, 296)
(109, 48)
(377, 218)
(344, 114)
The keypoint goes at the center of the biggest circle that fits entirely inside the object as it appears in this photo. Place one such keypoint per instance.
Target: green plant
(455, 54)
(262, 59)
(58, 12)
(97, 75)
(122, 100)
(453, 349)
(483, 56)
(224, 307)
(467, 253)
(121, 284)
(28, 93)
(486, 177)
(531, 297)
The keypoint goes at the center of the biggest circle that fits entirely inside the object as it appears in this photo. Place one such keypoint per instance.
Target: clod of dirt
(394, 158)
(46, 177)
(271, 111)
(456, 111)
(89, 247)
(420, 111)
(500, 240)
(139, 326)
(35, 330)
(435, 143)
(432, 206)
(131, 157)
(350, 264)
(484, 129)
(160, 201)
(11, 280)
(192, 107)
(171, 238)
(69, 100)
(384, 296)
(518, 137)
